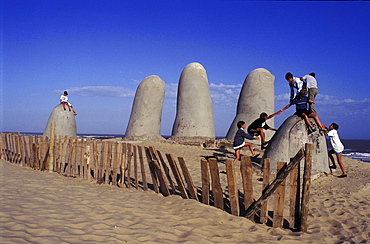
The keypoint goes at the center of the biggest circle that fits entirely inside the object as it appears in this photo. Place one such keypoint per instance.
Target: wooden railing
(129, 165)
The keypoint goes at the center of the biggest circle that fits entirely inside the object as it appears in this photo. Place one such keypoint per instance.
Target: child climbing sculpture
(302, 110)
(337, 149)
(64, 102)
(312, 89)
(256, 128)
(239, 141)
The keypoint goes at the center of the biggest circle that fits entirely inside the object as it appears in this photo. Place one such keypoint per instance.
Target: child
(257, 127)
(337, 149)
(295, 82)
(301, 102)
(64, 102)
(239, 140)
(312, 89)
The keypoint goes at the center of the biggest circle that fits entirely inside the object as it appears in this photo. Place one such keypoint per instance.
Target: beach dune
(39, 207)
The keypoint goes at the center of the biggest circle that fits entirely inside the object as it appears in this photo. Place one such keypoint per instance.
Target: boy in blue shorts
(303, 111)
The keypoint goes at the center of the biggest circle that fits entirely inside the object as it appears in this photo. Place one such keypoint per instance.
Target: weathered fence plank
(233, 190)
(247, 173)
(306, 188)
(265, 183)
(176, 173)
(189, 181)
(167, 171)
(205, 180)
(152, 172)
(294, 197)
(159, 175)
(279, 199)
(142, 168)
(216, 184)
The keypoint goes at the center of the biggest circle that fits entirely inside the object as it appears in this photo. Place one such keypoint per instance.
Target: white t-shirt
(298, 83)
(63, 98)
(335, 141)
(311, 81)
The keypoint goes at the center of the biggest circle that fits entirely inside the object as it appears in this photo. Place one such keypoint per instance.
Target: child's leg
(74, 111)
(262, 134)
(341, 165)
(64, 106)
(330, 153)
(248, 144)
(306, 120)
(316, 118)
(237, 155)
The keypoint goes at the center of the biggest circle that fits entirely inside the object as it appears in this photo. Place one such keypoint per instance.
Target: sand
(41, 207)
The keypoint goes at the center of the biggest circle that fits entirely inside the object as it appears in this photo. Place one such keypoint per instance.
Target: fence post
(189, 181)
(294, 197)
(247, 172)
(265, 183)
(306, 187)
(233, 190)
(205, 180)
(216, 184)
(52, 145)
(87, 156)
(279, 200)
(176, 173)
(142, 168)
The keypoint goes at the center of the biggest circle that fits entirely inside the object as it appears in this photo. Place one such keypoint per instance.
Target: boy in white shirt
(312, 89)
(337, 149)
(64, 102)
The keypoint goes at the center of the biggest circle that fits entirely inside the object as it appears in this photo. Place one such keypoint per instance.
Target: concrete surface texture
(65, 122)
(256, 96)
(291, 136)
(146, 113)
(194, 115)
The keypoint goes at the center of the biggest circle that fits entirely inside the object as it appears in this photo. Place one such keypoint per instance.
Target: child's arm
(285, 108)
(248, 136)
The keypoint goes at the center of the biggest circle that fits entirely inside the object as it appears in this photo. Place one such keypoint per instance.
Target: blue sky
(101, 50)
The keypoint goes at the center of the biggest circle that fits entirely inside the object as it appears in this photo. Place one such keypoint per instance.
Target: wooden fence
(129, 165)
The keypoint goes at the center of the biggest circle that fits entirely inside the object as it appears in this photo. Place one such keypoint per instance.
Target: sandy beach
(41, 207)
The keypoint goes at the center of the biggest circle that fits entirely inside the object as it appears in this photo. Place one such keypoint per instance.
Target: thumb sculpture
(146, 113)
(194, 120)
(291, 136)
(256, 96)
(65, 122)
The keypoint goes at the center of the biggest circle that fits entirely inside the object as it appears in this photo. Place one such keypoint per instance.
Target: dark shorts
(300, 112)
(252, 131)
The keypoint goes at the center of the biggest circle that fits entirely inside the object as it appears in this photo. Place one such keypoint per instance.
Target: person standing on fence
(257, 127)
(64, 102)
(337, 149)
(239, 140)
(312, 89)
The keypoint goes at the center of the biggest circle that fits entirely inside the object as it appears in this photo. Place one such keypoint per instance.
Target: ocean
(356, 149)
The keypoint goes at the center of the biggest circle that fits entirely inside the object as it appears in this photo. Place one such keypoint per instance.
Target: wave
(365, 157)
